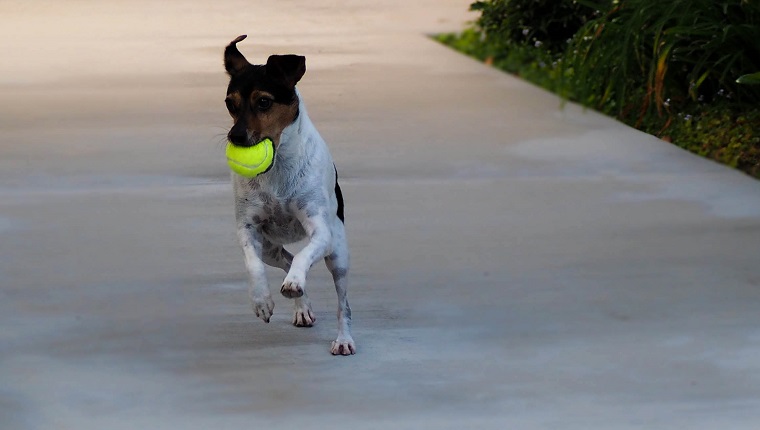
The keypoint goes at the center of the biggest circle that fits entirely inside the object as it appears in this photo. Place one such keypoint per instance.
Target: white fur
(294, 200)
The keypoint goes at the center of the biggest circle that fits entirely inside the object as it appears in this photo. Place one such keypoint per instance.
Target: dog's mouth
(246, 142)
(251, 160)
(249, 143)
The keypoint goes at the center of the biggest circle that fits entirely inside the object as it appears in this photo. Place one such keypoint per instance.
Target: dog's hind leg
(338, 263)
(303, 316)
(276, 256)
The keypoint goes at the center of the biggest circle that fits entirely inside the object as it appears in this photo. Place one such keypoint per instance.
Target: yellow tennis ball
(250, 161)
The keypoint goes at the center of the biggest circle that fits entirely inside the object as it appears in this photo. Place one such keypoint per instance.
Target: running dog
(297, 198)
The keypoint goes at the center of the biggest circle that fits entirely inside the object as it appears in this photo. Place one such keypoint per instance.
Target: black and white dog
(298, 198)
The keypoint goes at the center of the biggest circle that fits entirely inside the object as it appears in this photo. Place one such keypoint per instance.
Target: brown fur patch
(233, 100)
(272, 122)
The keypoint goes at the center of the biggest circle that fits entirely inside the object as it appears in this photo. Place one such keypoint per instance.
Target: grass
(535, 65)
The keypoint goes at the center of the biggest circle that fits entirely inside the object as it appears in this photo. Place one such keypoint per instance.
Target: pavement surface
(515, 265)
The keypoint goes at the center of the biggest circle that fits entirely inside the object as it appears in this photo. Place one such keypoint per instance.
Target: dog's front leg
(252, 243)
(320, 238)
(277, 256)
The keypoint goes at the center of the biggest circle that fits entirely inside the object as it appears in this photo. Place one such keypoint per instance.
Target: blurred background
(515, 264)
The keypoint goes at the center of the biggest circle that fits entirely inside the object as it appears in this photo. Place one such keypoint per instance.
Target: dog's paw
(292, 286)
(343, 345)
(303, 316)
(263, 307)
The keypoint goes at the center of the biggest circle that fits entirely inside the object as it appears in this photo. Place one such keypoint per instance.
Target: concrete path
(515, 265)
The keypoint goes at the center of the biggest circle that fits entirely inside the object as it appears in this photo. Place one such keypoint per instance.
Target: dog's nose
(238, 138)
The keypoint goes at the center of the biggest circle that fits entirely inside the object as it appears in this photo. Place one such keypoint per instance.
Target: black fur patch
(339, 196)
(255, 77)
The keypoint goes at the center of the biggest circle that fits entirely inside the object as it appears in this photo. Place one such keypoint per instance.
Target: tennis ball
(250, 161)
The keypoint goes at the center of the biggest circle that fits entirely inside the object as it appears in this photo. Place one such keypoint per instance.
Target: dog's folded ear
(234, 61)
(286, 69)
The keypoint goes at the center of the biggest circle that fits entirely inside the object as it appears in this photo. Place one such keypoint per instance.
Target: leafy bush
(547, 23)
(654, 57)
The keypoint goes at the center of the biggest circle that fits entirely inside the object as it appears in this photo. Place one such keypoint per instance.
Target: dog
(297, 198)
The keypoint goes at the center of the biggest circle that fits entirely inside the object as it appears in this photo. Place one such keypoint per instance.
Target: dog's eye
(230, 106)
(263, 104)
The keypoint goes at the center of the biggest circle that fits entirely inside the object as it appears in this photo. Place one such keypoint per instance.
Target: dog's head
(261, 98)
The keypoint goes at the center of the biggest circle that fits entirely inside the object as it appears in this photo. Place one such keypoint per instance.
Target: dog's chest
(273, 217)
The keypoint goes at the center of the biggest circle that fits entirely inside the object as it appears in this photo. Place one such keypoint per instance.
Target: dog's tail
(339, 196)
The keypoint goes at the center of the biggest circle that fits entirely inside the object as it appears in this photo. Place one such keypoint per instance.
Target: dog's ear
(287, 69)
(234, 61)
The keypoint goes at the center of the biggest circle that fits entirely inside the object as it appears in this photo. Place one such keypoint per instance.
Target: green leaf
(751, 79)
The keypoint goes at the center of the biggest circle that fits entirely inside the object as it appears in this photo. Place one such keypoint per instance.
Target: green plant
(540, 23)
(533, 64)
(723, 134)
(652, 57)
(751, 79)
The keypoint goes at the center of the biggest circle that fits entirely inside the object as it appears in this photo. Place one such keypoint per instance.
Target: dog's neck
(296, 144)
(295, 128)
